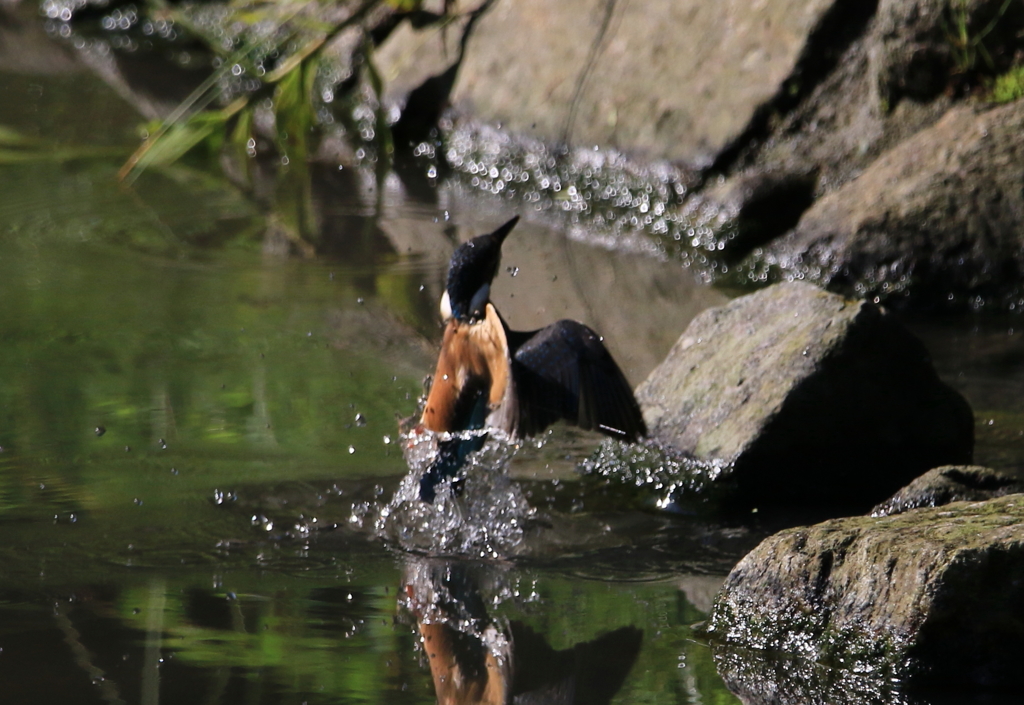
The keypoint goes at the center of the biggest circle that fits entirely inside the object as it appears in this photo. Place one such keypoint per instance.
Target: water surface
(200, 390)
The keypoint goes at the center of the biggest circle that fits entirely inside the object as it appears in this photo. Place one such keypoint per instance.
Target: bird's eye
(480, 299)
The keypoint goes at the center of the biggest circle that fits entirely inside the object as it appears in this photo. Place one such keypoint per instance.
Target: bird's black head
(472, 268)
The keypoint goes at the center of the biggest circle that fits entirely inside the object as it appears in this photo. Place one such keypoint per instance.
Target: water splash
(485, 519)
(670, 479)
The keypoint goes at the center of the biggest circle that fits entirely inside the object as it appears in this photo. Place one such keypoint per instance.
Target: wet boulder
(952, 483)
(665, 79)
(797, 396)
(930, 596)
(938, 218)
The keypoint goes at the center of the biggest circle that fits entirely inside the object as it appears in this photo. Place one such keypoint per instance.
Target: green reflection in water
(205, 367)
(337, 635)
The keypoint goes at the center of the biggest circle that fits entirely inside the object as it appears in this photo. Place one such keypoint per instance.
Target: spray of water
(484, 518)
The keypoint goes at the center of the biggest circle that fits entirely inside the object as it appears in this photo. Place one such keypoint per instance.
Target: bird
(489, 376)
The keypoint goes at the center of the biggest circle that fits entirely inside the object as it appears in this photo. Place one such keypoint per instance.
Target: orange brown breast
(473, 367)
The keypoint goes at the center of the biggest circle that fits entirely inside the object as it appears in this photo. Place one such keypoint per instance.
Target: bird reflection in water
(477, 658)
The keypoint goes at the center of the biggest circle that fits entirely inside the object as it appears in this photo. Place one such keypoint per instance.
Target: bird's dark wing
(565, 372)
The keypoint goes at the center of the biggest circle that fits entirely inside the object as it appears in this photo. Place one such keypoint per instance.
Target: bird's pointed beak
(502, 232)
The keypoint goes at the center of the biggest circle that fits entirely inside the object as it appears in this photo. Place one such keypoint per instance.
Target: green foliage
(1008, 87)
(173, 140)
(405, 5)
(300, 33)
(966, 45)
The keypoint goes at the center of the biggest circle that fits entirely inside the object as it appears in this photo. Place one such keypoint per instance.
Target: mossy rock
(930, 596)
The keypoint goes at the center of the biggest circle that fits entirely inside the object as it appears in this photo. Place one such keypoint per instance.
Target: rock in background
(805, 397)
(952, 483)
(785, 102)
(939, 217)
(666, 79)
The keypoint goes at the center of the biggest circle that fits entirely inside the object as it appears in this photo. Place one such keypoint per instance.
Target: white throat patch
(446, 307)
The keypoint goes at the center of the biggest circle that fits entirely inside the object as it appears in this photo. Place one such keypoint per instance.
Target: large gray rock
(874, 79)
(803, 396)
(952, 483)
(675, 79)
(940, 216)
(928, 596)
(869, 80)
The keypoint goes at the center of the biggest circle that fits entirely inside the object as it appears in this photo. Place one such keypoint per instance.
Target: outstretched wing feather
(565, 372)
